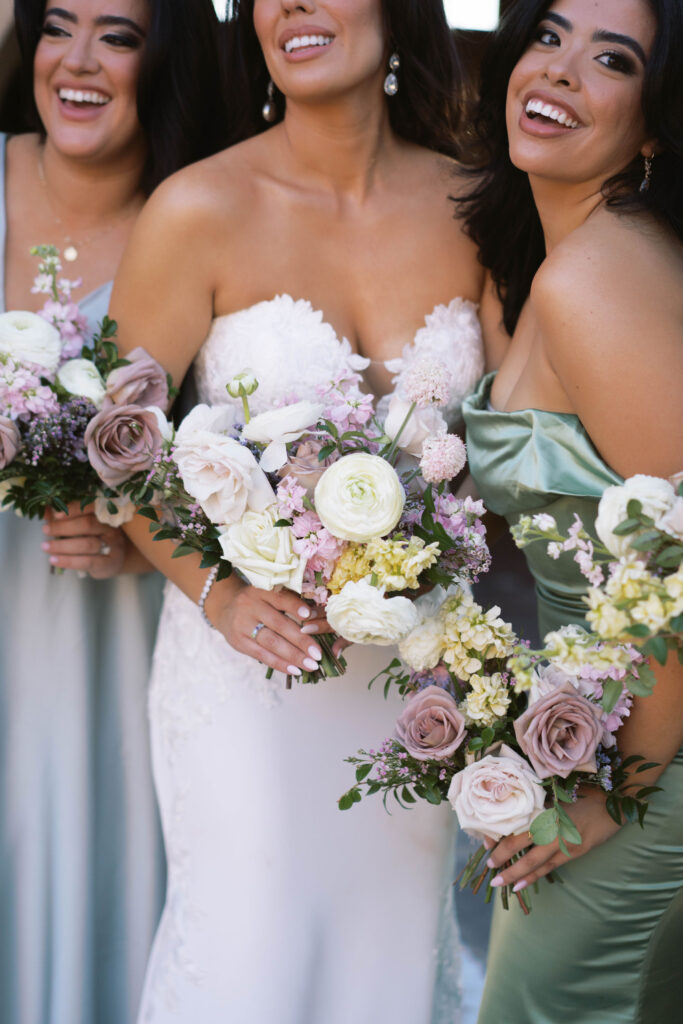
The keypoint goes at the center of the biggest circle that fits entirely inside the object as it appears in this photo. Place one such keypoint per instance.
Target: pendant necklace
(73, 247)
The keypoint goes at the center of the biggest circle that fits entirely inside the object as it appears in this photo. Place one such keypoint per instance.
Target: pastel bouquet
(634, 566)
(321, 497)
(510, 752)
(55, 380)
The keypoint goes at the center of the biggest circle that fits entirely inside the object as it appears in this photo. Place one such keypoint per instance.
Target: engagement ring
(256, 630)
(105, 550)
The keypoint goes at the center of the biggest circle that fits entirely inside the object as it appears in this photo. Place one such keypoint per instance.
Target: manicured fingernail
(315, 652)
(54, 560)
(292, 670)
(490, 863)
(311, 628)
(497, 881)
(45, 546)
(310, 665)
(304, 612)
(520, 885)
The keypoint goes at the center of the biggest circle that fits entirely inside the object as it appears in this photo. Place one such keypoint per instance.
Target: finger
(76, 526)
(276, 652)
(86, 547)
(507, 848)
(282, 637)
(526, 866)
(550, 865)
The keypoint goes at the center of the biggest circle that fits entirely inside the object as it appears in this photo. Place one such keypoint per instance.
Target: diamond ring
(256, 630)
(105, 550)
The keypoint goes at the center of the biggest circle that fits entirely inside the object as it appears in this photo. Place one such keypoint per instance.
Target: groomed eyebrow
(105, 19)
(601, 36)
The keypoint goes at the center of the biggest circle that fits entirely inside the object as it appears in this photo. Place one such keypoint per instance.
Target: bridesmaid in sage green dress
(588, 392)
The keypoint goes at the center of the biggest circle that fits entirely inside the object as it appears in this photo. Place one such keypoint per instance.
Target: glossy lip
(546, 129)
(309, 51)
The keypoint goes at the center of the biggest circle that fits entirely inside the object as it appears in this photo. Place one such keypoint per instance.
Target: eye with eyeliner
(618, 62)
(122, 39)
(546, 36)
(50, 28)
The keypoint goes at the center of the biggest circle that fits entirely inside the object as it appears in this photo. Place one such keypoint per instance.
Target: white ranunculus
(81, 377)
(424, 422)
(278, 427)
(263, 552)
(359, 497)
(28, 337)
(216, 469)
(363, 615)
(500, 795)
(423, 647)
(656, 496)
(125, 511)
(672, 522)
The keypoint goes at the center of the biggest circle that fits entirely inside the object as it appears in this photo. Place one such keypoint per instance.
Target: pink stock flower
(443, 456)
(290, 496)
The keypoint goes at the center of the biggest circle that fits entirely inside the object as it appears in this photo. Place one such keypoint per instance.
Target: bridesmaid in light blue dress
(81, 863)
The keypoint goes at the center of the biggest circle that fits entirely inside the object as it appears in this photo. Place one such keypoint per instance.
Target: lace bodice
(293, 350)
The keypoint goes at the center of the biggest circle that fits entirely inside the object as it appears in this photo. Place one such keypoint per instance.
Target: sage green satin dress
(605, 946)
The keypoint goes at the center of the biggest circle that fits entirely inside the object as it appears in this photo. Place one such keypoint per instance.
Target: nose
(562, 69)
(80, 58)
(303, 6)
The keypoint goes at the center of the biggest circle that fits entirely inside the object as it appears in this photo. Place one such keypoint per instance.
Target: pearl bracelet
(210, 580)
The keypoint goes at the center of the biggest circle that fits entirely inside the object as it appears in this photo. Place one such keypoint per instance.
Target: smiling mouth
(546, 112)
(304, 42)
(84, 97)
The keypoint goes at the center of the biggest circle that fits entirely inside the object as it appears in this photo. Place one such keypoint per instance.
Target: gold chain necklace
(73, 247)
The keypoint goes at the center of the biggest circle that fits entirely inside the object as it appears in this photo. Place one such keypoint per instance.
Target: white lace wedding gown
(280, 908)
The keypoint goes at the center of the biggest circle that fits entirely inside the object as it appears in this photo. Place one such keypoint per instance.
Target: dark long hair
(428, 106)
(499, 209)
(180, 93)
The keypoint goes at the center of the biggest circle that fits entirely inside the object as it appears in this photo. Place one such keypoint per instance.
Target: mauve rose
(559, 733)
(304, 465)
(141, 382)
(431, 728)
(10, 441)
(121, 441)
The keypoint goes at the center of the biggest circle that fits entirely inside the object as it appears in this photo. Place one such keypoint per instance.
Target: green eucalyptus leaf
(544, 828)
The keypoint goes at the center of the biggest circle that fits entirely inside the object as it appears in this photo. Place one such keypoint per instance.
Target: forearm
(654, 728)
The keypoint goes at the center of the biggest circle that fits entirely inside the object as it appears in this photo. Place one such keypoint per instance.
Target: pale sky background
(481, 14)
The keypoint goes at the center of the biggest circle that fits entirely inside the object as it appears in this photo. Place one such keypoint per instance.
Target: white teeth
(81, 96)
(554, 113)
(299, 42)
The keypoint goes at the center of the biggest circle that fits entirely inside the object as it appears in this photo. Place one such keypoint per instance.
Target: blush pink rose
(10, 441)
(142, 381)
(431, 728)
(560, 732)
(121, 441)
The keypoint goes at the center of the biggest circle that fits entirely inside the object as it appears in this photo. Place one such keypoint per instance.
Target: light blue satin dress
(81, 867)
(605, 946)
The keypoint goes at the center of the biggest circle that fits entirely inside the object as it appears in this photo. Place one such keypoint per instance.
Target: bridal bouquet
(634, 566)
(54, 380)
(509, 750)
(322, 498)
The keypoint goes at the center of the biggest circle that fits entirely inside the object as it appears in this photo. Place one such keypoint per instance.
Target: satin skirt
(605, 946)
(81, 865)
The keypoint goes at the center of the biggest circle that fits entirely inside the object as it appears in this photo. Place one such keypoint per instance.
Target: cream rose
(500, 795)
(81, 377)
(278, 427)
(424, 422)
(363, 615)
(423, 647)
(28, 337)
(656, 496)
(264, 552)
(216, 469)
(359, 497)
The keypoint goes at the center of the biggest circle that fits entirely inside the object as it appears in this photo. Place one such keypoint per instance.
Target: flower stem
(245, 406)
(394, 443)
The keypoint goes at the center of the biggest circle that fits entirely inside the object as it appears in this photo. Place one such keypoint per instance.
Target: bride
(333, 223)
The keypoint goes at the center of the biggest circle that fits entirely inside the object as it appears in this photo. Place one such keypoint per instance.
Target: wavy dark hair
(426, 110)
(180, 93)
(499, 210)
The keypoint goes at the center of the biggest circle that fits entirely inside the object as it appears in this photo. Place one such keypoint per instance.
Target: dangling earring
(391, 81)
(269, 110)
(645, 183)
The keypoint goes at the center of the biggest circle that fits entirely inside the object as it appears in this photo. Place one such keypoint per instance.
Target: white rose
(81, 377)
(125, 511)
(279, 427)
(263, 552)
(359, 497)
(500, 795)
(423, 647)
(672, 522)
(656, 496)
(423, 423)
(27, 337)
(216, 469)
(362, 614)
